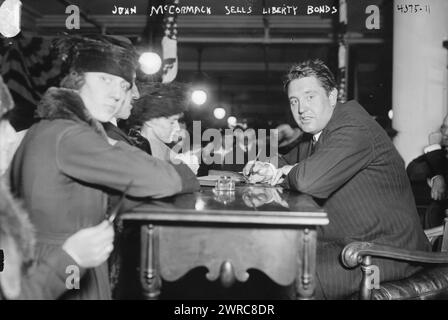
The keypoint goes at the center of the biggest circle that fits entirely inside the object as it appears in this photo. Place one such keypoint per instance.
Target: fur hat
(98, 53)
(159, 100)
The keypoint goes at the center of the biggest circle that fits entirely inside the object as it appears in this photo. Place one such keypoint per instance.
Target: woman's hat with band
(98, 53)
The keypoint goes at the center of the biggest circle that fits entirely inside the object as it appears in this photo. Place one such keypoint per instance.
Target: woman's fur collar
(62, 103)
(15, 223)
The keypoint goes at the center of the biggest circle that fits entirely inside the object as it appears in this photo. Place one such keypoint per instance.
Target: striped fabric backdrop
(28, 68)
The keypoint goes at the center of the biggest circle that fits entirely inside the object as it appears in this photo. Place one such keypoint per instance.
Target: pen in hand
(253, 164)
(116, 209)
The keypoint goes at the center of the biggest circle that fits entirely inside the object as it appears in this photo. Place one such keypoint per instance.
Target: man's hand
(254, 197)
(438, 188)
(260, 172)
(90, 247)
(280, 174)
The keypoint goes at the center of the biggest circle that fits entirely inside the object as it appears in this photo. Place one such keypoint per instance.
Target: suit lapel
(120, 133)
(305, 147)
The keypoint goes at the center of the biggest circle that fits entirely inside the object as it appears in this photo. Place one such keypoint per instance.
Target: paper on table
(208, 180)
(234, 175)
(212, 178)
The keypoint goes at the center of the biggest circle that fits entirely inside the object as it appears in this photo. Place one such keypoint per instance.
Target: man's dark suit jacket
(358, 176)
(134, 138)
(423, 168)
(125, 255)
(420, 171)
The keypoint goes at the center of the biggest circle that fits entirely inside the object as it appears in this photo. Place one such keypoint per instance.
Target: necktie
(313, 145)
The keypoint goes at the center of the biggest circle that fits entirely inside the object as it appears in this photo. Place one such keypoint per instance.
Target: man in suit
(428, 174)
(114, 133)
(111, 128)
(346, 161)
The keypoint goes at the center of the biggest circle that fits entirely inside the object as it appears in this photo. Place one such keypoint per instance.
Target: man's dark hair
(311, 68)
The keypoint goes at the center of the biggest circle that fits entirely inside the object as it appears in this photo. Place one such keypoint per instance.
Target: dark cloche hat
(98, 53)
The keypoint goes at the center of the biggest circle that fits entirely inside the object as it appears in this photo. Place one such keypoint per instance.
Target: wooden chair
(429, 283)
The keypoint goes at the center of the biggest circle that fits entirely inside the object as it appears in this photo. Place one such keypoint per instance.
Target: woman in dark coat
(65, 164)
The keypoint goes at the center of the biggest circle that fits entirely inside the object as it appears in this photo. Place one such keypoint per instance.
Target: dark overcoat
(62, 170)
(358, 176)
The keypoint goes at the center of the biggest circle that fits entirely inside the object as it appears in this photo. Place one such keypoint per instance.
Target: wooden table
(265, 228)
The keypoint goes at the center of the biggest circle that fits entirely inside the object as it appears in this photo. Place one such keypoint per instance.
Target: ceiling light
(199, 96)
(150, 62)
(390, 114)
(231, 121)
(219, 113)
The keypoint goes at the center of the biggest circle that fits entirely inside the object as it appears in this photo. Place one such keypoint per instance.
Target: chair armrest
(434, 232)
(353, 254)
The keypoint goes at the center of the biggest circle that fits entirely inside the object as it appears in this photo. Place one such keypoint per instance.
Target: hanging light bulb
(219, 113)
(150, 62)
(199, 97)
(10, 18)
(390, 114)
(231, 121)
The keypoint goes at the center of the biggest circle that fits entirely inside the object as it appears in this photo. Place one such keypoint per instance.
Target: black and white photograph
(223, 156)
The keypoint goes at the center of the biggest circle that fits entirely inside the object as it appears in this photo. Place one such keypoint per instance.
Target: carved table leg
(306, 275)
(149, 262)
